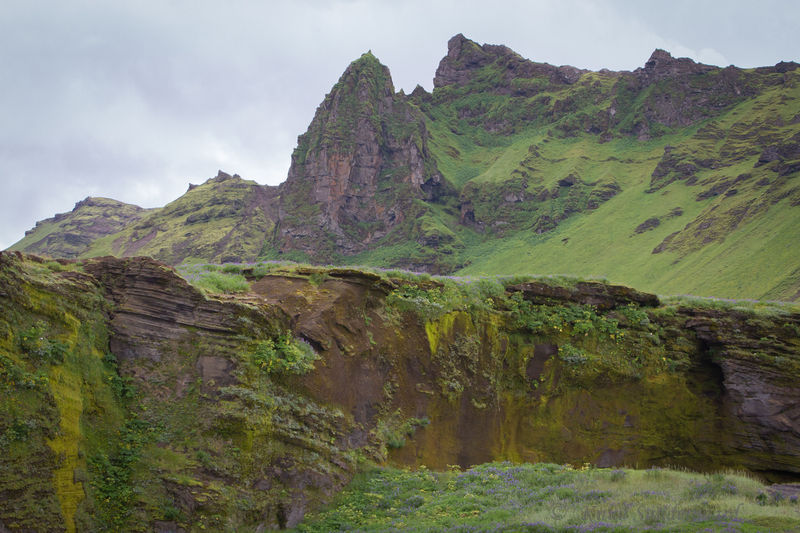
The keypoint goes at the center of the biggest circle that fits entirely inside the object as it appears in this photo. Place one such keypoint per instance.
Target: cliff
(132, 400)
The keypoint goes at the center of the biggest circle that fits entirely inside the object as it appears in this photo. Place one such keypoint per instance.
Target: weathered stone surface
(601, 295)
(358, 169)
(464, 57)
(647, 225)
(662, 65)
(155, 309)
(761, 400)
(491, 388)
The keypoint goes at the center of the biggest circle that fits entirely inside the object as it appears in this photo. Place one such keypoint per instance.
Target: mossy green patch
(66, 389)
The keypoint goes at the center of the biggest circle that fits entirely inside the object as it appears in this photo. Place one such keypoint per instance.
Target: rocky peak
(466, 57)
(221, 177)
(368, 66)
(363, 92)
(224, 176)
(662, 65)
(463, 57)
(363, 138)
(91, 201)
(658, 57)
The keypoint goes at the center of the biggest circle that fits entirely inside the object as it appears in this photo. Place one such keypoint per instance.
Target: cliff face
(358, 170)
(138, 403)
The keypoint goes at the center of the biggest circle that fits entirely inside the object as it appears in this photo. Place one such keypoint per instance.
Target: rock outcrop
(465, 58)
(358, 170)
(193, 418)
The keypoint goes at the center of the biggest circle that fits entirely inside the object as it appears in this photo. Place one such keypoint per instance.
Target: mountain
(72, 234)
(226, 219)
(130, 400)
(362, 174)
(677, 177)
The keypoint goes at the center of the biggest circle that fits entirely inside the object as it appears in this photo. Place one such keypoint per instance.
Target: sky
(136, 99)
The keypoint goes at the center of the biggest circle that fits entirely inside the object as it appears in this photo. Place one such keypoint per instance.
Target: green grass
(214, 279)
(547, 497)
(215, 220)
(46, 237)
(503, 145)
(750, 256)
(754, 259)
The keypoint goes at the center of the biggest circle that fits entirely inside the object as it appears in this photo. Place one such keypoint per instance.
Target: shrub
(711, 487)
(286, 355)
(394, 432)
(428, 304)
(232, 268)
(13, 375)
(317, 278)
(572, 355)
(582, 320)
(618, 475)
(635, 315)
(55, 266)
(33, 342)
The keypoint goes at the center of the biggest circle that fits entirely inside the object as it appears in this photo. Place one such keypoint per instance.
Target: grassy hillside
(224, 219)
(675, 178)
(72, 234)
(698, 209)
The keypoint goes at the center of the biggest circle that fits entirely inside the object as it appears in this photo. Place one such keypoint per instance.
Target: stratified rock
(700, 387)
(600, 295)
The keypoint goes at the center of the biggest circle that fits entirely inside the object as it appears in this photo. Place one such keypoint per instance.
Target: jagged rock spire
(363, 139)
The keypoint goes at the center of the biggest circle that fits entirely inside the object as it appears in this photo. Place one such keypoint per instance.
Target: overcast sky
(134, 100)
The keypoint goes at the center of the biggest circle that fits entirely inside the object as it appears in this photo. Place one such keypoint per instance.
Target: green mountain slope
(71, 234)
(677, 177)
(225, 219)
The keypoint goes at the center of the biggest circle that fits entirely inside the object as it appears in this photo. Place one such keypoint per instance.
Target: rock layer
(574, 373)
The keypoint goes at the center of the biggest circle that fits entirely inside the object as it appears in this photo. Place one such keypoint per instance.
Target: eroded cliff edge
(132, 400)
